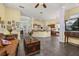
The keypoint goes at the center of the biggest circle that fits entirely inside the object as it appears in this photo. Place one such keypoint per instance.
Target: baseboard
(77, 45)
(73, 44)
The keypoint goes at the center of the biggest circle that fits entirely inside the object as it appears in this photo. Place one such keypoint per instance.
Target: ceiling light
(42, 4)
(41, 12)
(21, 6)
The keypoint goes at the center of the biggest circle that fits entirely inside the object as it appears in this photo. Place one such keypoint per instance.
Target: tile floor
(50, 46)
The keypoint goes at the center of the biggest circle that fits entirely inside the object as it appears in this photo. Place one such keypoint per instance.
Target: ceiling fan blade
(37, 5)
(44, 5)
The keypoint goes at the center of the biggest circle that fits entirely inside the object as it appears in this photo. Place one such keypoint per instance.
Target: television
(72, 24)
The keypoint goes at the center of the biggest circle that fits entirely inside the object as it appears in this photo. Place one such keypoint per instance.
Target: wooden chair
(67, 34)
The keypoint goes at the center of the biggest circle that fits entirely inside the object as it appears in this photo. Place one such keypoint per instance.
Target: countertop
(71, 31)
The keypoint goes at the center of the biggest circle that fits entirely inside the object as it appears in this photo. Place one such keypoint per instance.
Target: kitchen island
(41, 33)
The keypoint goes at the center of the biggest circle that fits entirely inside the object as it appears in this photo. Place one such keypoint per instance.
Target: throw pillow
(5, 42)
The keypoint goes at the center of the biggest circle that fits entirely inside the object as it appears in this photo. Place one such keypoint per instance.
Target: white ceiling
(48, 13)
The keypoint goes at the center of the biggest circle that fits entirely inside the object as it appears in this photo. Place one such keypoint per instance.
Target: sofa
(2, 51)
(11, 49)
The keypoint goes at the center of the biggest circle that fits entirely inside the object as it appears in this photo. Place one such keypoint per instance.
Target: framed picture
(13, 21)
(4, 26)
(2, 22)
(1, 26)
(9, 22)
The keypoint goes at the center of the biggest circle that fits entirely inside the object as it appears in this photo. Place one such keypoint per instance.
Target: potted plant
(9, 28)
(30, 35)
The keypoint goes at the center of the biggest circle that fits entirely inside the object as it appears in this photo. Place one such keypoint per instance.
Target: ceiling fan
(44, 5)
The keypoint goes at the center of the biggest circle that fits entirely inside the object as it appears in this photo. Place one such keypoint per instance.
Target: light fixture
(42, 4)
(21, 6)
(41, 12)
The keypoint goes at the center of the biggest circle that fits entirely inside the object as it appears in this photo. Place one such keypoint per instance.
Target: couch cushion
(11, 49)
(5, 42)
(1, 44)
(2, 52)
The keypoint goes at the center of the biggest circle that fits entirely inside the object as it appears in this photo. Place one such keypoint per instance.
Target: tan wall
(71, 12)
(2, 12)
(47, 22)
(51, 22)
(12, 14)
(40, 22)
(9, 13)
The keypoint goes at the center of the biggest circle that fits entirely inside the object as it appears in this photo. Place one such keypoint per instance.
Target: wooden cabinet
(32, 47)
(74, 34)
(71, 34)
(54, 33)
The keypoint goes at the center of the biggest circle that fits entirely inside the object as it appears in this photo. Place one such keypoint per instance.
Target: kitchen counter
(41, 34)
